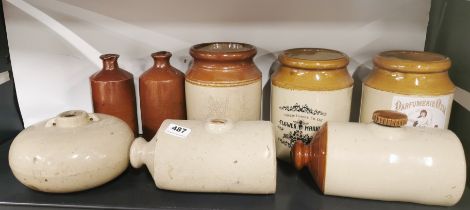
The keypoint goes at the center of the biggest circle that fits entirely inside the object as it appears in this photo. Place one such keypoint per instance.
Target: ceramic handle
(300, 154)
(137, 152)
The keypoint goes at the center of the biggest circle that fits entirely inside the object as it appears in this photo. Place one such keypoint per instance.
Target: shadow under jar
(113, 92)
(311, 86)
(161, 94)
(223, 82)
(415, 83)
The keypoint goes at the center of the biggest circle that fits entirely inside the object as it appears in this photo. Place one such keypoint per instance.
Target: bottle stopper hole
(218, 121)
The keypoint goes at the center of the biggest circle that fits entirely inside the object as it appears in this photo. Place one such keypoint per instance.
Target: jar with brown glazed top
(161, 94)
(113, 92)
(223, 82)
(415, 83)
(311, 86)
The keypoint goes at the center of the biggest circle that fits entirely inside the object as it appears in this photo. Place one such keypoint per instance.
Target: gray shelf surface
(135, 189)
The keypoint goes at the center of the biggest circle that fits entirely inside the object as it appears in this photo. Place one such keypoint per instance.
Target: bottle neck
(313, 155)
(110, 62)
(161, 59)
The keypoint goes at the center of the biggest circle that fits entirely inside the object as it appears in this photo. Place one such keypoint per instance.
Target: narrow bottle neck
(110, 61)
(161, 63)
(110, 65)
(161, 59)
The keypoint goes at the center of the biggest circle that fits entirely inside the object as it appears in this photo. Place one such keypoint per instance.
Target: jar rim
(223, 51)
(410, 61)
(314, 58)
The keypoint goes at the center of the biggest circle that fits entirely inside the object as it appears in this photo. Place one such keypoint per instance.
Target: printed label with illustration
(428, 112)
(298, 114)
(298, 122)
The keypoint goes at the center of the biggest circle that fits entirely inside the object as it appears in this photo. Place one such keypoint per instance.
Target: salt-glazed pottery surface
(310, 87)
(161, 94)
(223, 82)
(213, 156)
(71, 152)
(412, 82)
(113, 92)
(384, 161)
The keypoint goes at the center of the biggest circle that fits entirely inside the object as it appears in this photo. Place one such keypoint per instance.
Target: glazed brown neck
(161, 59)
(313, 156)
(110, 61)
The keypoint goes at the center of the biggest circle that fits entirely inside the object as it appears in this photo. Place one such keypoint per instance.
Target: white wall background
(54, 45)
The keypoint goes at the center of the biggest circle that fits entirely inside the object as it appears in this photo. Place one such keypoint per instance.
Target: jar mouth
(409, 61)
(109, 56)
(314, 58)
(161, 54)
(223, 51)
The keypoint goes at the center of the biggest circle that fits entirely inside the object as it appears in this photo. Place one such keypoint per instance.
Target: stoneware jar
(384, 161)
(412, 82)
(71, 152)
(214, 156)
(161, 94)
(310, 87)
(113, 92)
(223, 82)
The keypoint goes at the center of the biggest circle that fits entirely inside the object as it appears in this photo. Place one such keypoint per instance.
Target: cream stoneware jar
(411, 82)
(213, 156)
(383, 161)
(71, 152)
(223, 82)
(311, 86)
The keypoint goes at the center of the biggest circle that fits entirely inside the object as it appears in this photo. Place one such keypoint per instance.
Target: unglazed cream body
(240, 102)
(420, 165)
(215, 156)
(72, 152)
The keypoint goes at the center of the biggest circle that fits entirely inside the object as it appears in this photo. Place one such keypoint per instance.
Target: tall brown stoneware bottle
(161, 94)
(113, 91)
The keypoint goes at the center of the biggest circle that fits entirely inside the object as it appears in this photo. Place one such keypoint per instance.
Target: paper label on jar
(178, 131)
(423, 111)
(298, 114)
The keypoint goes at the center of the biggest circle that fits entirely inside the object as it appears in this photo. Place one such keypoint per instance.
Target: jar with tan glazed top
(223, 82)
(384, 161)
(412, 82)
(311, 86)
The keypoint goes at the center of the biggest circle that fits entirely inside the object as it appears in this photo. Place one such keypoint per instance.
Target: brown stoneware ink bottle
(161, 94)
(113, 92)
